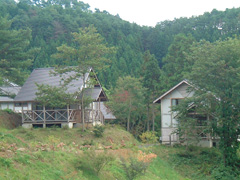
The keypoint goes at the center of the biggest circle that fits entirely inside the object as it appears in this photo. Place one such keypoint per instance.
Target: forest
(145, 61)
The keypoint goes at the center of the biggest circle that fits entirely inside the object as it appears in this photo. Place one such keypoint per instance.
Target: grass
(52, 153)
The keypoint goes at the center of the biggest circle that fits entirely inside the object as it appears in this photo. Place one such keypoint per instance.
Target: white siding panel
(4, 105)
(166, 120)
(11, 106)
(166, 103)
(29, 106)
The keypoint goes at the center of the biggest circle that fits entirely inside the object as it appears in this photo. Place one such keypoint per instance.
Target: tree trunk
(129, 115)
(153, 119)
(82, 104)
(148, 126)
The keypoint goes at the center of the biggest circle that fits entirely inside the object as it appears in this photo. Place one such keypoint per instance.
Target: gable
(178, 91)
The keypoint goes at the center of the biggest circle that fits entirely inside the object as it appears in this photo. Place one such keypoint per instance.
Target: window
(175, 102)
(20, 104)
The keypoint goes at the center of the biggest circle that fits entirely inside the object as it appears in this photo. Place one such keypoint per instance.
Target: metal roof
(166, 93)
(107, 113)
(43, 76)
(94, 93)
(5, 99)
(10, 90)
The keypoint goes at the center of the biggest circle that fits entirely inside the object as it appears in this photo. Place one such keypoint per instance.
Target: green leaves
(215, 74)
(15, 57)
(53, 96)
(88, 50)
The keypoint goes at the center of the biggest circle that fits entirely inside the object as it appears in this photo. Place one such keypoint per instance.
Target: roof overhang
(158, 100)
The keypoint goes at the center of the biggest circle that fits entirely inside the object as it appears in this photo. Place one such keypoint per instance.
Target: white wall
(169, 123)
(7, 105)
(19, 108)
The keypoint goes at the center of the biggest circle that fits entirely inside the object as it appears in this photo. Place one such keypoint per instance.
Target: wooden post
(44, 116)
(68, 118)
(92, 113)
(99, 109)
(22, 115)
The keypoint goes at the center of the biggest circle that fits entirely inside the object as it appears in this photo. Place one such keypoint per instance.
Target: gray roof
(10, 90)
(107, 113)
(42, 76)
(93, 92)
(5, 99)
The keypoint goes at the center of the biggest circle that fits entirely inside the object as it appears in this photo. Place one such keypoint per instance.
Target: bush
(98, 131)
(224, 173)
(9, 111)
(149, 137)
(93, 161)
(134, 168)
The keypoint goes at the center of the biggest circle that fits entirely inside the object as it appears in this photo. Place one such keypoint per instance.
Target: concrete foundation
(27, 126)
(69, 125)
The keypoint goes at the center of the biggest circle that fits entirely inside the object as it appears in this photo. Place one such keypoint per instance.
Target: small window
(175, 102)
(17, 105)
(20, 104)
(24, 104)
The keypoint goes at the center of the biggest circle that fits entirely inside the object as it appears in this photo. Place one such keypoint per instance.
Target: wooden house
(7, 94)
(169, 119)
(35, 114)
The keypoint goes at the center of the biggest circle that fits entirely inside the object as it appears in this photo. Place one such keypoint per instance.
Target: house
(35, 114)
(169, 119)
(7, 93)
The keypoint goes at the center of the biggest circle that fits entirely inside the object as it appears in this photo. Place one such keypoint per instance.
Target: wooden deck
(61, 115)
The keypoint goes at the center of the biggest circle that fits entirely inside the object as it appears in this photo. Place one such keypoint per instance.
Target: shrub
(149, 137)
(93, 161)
(9, 111)
(224, 173)
(134, 168)
(98, 131)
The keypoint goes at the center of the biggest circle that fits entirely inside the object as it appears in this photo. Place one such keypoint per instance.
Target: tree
(88, 51)
(127, 102)
(150, 77)
(15, 58)
(216, 78)
(175, 62)
(52, 96)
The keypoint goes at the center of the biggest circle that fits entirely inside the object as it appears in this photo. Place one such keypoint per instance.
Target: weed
(134, 168)
(93, 161)
(30, 135)
(88, 142)
(23, 159)
(5, 162)
(98, 131)
(149, 137)
(9, 111)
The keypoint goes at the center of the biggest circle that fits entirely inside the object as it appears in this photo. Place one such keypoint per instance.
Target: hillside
(51, 24)
(55, 153)
(60, 153)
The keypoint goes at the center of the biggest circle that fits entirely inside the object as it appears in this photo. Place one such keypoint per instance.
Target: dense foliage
(52, 22)
(147, 62)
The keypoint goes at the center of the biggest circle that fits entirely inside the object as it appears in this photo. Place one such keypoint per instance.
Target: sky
(150, 12)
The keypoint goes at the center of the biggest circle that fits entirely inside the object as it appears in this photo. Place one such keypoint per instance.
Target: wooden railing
(62, 115)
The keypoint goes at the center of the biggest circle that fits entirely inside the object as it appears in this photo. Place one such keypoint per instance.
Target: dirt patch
(124, 153)
(9, 120)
